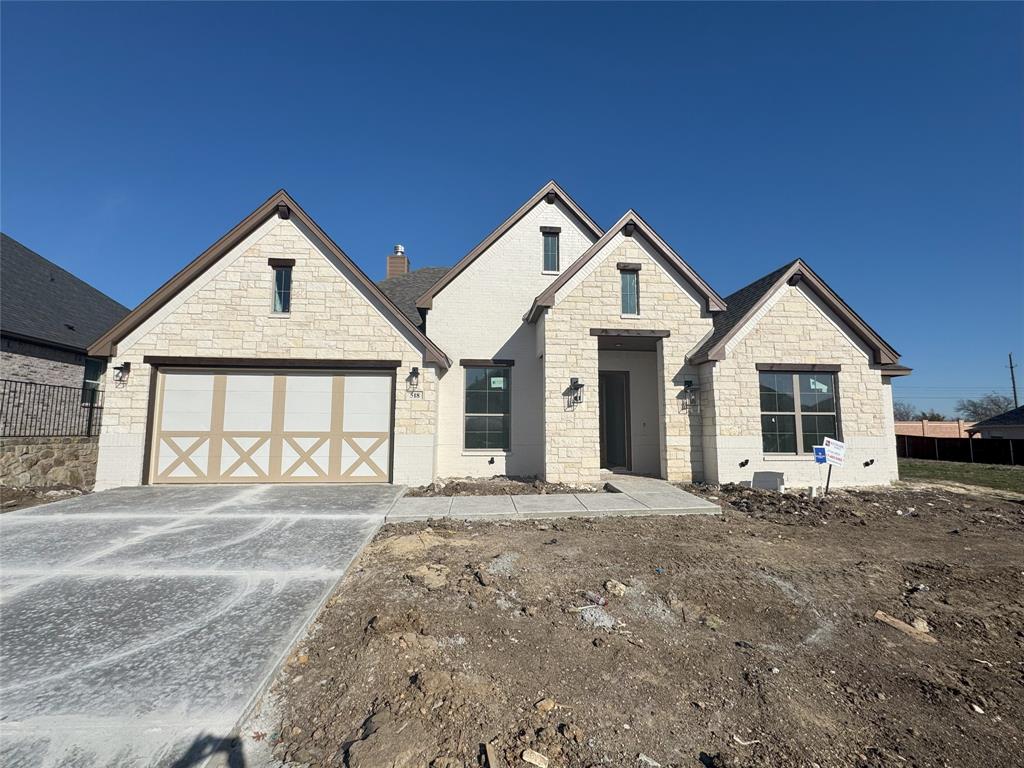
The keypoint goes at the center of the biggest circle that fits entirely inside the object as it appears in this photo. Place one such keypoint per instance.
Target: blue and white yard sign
(819, 454)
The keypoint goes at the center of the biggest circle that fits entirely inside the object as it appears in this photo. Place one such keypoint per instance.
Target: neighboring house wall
(226, 312)
(795, 327)
(27, 361)
(925, 428)
(1009, 432)
(592, 299)
(480, 316)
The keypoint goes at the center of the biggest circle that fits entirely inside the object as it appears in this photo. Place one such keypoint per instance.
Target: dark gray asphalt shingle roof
(403, 290)
(738, 304)
(40, 300)
(1013, 418)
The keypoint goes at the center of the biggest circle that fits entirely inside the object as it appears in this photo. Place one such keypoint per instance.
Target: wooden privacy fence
(28, 409)
(976, 450)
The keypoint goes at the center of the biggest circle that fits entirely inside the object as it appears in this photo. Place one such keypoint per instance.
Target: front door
(613, 397)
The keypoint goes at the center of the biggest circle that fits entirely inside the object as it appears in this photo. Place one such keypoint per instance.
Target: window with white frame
(798, 410)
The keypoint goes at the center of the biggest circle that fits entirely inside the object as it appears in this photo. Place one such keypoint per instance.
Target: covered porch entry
(631, 422)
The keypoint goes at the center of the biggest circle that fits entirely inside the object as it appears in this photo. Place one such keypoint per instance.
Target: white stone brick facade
(226, 313)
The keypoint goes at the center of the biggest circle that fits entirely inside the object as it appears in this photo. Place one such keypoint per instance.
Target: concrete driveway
(137, 625)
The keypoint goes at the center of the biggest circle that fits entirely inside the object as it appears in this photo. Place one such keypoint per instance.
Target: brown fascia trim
(467, 363)
(630, 332)
(281, 262)
(551, 230)
(628, 266)
(798, 367)
(269, 362)
(549, 192)
(714, 302)
(890, 371)
(283, 206)
(799, 272)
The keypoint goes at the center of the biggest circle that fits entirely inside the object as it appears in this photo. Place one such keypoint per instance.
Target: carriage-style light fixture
(413, 380)
(121, 372)
(575, 391)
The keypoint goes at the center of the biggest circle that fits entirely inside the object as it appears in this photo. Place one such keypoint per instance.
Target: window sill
(788, 457)
(549, 272)
(280, 315)
(485, 452)
(629, 317)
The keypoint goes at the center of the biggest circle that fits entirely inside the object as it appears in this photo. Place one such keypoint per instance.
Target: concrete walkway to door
(139, 624)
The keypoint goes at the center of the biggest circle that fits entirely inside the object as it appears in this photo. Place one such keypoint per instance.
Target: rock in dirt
(596, 616)
(535, 758)
(616, 588)
(545, 705)
(920, 624)
(711, 621)
(429, 576)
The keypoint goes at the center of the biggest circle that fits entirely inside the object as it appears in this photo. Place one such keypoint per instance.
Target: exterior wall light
(689, 398)
(121, 373)
(575, 391)
(413, 379)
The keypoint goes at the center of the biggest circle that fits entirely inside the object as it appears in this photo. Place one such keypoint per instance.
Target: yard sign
(835, 452)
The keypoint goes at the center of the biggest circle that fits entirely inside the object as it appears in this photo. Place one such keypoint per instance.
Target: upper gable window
(282, 285)
(551, 255)
(629, 277)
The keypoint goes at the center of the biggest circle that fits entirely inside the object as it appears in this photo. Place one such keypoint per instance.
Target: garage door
(271, 427)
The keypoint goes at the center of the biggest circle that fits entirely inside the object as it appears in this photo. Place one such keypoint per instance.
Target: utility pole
(1013, 381)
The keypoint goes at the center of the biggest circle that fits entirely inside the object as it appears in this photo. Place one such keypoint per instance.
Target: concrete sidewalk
(630, 496)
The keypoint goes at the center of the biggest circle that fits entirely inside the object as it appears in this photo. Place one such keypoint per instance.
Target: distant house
(48, 318)
(1009, 425)
(926, 428)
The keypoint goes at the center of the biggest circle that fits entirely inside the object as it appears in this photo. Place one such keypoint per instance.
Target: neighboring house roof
(280, 204)
(630, 222)
(552, 192)
(403, 290)
(43, 303)
(1014, 418)
(744, 304)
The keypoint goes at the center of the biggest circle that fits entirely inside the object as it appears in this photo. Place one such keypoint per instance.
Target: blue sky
(882, 143)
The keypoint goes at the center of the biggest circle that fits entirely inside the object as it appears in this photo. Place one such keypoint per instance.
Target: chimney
(398, 262)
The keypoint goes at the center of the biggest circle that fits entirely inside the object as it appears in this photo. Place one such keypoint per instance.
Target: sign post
(835, 455)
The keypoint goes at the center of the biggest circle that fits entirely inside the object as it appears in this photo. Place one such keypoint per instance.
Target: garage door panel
(229, 427)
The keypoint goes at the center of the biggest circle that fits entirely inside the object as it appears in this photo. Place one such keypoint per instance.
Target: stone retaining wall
(42, 462)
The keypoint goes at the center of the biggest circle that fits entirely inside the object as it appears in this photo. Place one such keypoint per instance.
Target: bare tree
(903, 411)
(932, 415)
(985, 407)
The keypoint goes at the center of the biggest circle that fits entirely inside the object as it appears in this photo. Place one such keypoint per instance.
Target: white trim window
(792, 399)
(551, 249)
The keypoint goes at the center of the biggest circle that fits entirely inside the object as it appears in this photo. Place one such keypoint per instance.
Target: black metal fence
(975, 450)
(28, 409)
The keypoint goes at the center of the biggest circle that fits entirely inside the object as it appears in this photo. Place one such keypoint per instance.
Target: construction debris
(905, 628)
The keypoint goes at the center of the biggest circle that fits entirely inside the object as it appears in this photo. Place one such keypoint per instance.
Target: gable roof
(43, 303)
(403, 290)
(279, 204)
(745, 302)
(1012, 418)
(551, 191)
(630, 223)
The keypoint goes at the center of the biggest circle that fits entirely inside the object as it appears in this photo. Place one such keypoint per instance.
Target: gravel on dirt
(742, 641)
(499, 485)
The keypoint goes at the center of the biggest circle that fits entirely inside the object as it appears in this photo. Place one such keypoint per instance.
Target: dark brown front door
(613, 397)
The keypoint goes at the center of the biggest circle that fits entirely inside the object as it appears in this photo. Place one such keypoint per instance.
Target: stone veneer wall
(794, 327)
(227, 313)
(41, 462)
(593, 300)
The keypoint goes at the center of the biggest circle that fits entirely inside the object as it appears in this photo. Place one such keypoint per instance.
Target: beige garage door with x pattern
(215, 426)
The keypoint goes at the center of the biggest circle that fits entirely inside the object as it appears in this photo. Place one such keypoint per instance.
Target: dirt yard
(746, 640)
(499, 485)
(21, 498)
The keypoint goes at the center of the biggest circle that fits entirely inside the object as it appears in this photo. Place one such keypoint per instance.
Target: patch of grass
(1002, 477)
